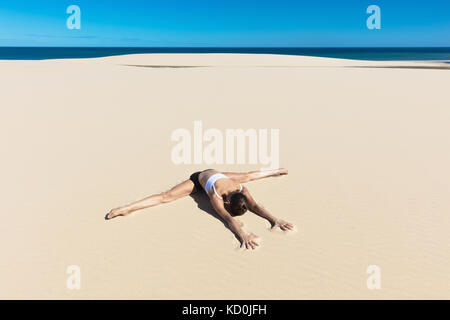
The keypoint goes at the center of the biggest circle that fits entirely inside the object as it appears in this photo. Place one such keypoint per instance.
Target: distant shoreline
(363, 53)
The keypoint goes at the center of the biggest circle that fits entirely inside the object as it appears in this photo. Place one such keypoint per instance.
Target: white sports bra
(211, 180)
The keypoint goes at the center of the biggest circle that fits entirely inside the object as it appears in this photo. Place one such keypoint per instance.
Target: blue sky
(226, 23)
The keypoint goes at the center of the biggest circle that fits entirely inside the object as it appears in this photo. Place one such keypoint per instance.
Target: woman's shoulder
(227, 184)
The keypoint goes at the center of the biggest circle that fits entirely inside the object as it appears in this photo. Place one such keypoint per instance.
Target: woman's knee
(167, 196)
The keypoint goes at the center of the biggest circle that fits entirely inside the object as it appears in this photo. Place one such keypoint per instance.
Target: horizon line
(235, 47)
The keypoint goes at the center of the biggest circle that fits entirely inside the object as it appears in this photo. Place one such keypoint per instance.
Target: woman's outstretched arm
(247, 240)
(259, 210)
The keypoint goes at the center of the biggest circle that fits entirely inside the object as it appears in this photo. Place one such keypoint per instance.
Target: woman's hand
(249, 241)
(283, 225)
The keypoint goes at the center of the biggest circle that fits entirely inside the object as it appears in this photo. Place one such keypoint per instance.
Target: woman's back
(218, 182)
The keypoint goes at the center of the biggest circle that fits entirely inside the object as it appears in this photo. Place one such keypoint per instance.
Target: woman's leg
(242, 177)
(181, 190)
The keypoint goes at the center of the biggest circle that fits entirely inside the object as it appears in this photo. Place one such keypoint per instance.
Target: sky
(225, 23)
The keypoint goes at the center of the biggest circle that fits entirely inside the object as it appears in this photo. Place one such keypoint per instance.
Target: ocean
(380, 54)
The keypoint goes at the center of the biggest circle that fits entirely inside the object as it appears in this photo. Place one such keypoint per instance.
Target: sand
(367, 145)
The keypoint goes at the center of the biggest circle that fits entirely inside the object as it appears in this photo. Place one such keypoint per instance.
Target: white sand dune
(367, 149)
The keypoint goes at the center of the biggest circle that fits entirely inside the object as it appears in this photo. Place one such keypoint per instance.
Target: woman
(227, 195)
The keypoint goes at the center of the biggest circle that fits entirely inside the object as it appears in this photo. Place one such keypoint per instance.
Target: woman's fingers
(250, 244)
(284, 226)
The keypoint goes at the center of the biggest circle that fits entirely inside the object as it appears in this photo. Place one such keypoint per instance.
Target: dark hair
(238, 204)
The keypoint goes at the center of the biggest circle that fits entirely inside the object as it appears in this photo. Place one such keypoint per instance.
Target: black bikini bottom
(194, 179)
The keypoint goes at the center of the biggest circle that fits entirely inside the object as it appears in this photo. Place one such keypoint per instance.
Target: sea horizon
(355, 53)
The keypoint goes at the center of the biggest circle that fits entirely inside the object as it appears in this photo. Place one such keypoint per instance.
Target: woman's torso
(222, 185)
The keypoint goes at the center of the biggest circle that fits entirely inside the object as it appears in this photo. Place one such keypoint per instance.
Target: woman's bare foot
(282, 172)
(117, 212)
